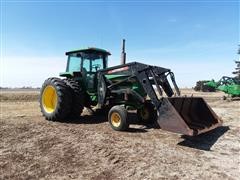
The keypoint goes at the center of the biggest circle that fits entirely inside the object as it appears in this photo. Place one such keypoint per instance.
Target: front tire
(117, 117)
(147, 114)
(55, 99)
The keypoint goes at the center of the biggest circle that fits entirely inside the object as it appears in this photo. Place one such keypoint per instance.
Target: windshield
(91, 62)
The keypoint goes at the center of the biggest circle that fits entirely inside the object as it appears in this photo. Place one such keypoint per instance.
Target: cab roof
(89, 50)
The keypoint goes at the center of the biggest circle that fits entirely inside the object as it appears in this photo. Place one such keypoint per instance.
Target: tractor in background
(228, 85)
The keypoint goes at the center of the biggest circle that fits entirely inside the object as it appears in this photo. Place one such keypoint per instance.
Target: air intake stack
(123, 55)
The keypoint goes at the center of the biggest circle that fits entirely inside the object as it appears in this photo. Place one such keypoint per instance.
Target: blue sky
(197, 40)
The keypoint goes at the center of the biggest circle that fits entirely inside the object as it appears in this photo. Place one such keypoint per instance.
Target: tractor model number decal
(118, 70)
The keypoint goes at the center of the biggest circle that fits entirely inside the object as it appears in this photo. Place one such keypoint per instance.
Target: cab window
(86, 65)
(97, 64)
(92, 62)
(74, 64)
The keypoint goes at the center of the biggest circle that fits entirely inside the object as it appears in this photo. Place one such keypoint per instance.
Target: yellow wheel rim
(115, 119)
(49, 99)
(145, 113)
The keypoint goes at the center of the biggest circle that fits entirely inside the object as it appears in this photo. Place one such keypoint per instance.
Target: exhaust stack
(123, 54)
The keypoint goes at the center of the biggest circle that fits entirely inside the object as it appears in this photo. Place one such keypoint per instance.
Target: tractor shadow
(87, 119)
(97, 118)
(204, 141)
(103, 118)
(141, 127)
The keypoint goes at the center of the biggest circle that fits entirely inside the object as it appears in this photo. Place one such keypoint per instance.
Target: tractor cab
(84, 64)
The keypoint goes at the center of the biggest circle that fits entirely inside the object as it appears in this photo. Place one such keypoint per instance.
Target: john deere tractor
(89, 82)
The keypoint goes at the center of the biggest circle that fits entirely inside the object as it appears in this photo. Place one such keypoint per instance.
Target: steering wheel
(96, 66)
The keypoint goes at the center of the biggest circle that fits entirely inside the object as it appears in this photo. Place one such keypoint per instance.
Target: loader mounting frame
(146, 75)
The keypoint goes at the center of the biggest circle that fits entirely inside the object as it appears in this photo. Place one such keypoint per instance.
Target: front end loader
(88, 82)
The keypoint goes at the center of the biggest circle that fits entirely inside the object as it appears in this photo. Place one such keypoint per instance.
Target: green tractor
(89, 82)
(228, 85)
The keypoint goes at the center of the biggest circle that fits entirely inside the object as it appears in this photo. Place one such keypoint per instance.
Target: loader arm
(185, 115)
(146, 75)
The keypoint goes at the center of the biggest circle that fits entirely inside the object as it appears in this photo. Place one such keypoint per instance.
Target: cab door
(89, 71)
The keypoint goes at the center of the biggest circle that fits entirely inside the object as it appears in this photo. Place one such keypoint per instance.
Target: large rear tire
(78, 98)
(117, 117)
(55, 99)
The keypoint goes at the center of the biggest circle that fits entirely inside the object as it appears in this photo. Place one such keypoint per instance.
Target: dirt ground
(33, 148)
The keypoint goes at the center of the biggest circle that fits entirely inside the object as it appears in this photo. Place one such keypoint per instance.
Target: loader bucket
(187, 115)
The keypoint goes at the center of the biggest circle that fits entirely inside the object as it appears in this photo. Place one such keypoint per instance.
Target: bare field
(33, 148)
